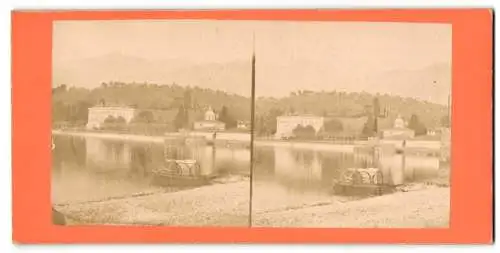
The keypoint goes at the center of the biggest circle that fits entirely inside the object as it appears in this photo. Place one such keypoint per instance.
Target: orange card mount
(471, 153)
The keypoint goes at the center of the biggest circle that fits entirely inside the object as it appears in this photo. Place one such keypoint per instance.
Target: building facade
(286, 124)
(98, 114)
(244, 125)
(399, 130)
(209, 123)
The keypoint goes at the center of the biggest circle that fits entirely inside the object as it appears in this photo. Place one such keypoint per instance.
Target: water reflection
(304, 170)
(87, 168)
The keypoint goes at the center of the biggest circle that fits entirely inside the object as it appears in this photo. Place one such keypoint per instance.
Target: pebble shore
(227, 204)
(214, 205)
(423, 208)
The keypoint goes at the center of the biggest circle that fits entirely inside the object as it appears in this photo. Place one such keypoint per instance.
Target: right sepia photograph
(351, 125)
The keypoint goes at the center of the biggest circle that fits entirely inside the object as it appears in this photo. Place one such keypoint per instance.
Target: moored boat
(180, 173)
(356, 179)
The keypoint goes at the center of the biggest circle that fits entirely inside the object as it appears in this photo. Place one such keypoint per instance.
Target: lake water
(293, 171)
(93, 168)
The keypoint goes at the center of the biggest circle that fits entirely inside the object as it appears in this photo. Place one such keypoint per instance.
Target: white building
(210, 115)
(210, 122)
(98, 114)
(399, 130)
(243, 125)
(286, 124)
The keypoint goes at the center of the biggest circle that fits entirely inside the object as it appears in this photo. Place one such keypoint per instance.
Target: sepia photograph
(251, 123)
(352, 125)
(151, 123)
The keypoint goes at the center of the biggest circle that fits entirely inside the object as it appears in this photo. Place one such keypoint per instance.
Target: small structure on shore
(210, 122)
(243, 125)
(398, 131)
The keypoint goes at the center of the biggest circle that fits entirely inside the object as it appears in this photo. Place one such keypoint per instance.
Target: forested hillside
(71, 104)
(343, 105)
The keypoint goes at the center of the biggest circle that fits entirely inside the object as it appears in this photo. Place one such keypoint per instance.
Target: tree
(376, 113)
(144, 117)
(186, 117)
(225, 117)
(112, 123)
(109, 120)
(120, 120)
(369, 127)
(416, 125)
(307, 132)
(63, 87)
(333, 126)
(297, 131)
(445, 121)
(59, 112)
(188, 99)
(109, 123)
(376, 107)
(180, 120)
(270, 120)
(259, 125)
(75, 112)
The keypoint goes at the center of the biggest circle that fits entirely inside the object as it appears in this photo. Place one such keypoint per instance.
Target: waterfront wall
(246, 137)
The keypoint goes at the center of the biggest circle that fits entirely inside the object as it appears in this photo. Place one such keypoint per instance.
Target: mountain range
(431, 83)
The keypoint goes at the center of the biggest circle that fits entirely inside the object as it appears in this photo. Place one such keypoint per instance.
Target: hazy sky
(290, 55)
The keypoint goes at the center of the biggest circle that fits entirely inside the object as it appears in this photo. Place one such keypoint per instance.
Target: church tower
(210, 114)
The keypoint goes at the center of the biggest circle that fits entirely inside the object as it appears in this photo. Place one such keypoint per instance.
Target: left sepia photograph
(151, 123)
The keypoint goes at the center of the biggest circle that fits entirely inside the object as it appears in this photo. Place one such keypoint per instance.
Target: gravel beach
(423, 208)
(227, 204)
(215, 205)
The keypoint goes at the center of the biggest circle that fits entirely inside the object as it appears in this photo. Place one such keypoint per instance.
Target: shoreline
(109, 135)
(212, 206)
(423, 208)
(310, 145)
(315, 145)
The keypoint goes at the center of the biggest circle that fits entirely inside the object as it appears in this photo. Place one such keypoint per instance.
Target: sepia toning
(251, 123)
